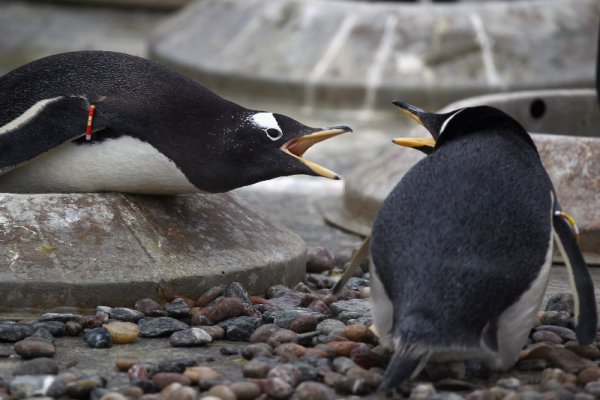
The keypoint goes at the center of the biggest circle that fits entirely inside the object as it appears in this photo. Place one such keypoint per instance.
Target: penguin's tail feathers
(406, 362)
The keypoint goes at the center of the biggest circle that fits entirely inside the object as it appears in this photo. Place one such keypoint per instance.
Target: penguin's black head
(456, 123)
(264, 145)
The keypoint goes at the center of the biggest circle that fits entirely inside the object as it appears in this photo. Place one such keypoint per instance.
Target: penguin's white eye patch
(268, 123)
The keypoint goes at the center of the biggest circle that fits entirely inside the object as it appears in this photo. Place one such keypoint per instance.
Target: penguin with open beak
(95, 121)
(461, 249)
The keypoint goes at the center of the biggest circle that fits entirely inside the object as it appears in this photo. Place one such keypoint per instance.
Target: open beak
(298, 146)
(410, 110)
(418, 143)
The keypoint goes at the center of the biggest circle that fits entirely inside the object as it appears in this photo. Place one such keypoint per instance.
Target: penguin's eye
(274, 134)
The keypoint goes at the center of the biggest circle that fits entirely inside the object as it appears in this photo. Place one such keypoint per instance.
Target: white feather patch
(266, 121)
(28, 115)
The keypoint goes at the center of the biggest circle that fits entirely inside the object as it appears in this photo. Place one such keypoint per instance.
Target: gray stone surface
(361, 55)
(82, 250)
(569, 150)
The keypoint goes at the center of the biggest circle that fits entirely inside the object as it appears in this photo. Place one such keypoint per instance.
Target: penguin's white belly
(123, 164)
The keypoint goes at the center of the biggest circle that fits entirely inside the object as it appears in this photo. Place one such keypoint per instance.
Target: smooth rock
(565, 333)
(13, 332)
(56, 328)
(287, 372)
(126, 314)
(98, 338)
(359, 307)
(593, 388)
(37, 366)
(366, 358)
(304, 323)
(313, 391)
(114, 396)
(359, 333)
(285, 318)
(190, 337)
(423, 391)
(561, 302)
(308, 372)
(263, 332)
(160, 326)
(240, 328)
(222, 392)
(342, 348)
(290, 351)
(62, 317)
(34, 347)
(591, 352)
(25, 386)
(229, 307)
(343, 364)
(320, 306)
(201, 373)
(509, 383)
(319, 260)
(277, 388)
(237, 290)
(81, 388)
(532, 365)
(546, 336)
(73, 328)
(149, 308)
(43, 333)
(559, 318)
(229, 350)
(256, 349)
(246, 390)
(164, 379)
(178, 308)
(256, 369)
(123, 364)
(122, 332)
(589, 374)
(215, 331)
(282, 336)
(328, 326)
(177, 365)
(210, 295)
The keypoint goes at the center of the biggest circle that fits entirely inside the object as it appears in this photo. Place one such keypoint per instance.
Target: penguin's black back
(464, 233)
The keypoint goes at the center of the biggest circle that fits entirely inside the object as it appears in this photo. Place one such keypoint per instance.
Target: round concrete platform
(355, 55)
(82, 250)
(568, 148)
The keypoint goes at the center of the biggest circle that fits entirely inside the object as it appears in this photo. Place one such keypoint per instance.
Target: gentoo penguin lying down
(150, 130)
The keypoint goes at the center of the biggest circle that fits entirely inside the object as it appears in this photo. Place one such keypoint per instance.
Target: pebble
(73, 328)
(319, 260)
(359, 307)
(246, 390)
(353, 385)
(263, 332)
(190, 337)
(565, 333)
(282, 336)
(81, 388)
(313, 391)
(240, 328)
(509, 383)
(112, 396)
(201, 373)
(62, 317)
(293, 349)
(285, 318)
(559, 318)
(561, 302)
(138, 372)
(26, 386)
(532, 365)
(37, 366)
(160, 326)
(13, 332)
(593, 388)
(199, 319)
(222, 392)
(98, 338)
(256, 369)
(422, 391)
(320, 306)
(256, 349)
(319, 281)
(236, 289)
(288, 372)
(123, 364)
(215, 331)
(178, 365)
(546, 336)
(56, 328)
(176, 391)
(43, 333)
(343, 364)
(328, 326)
(362, 355)
(277, 388)
(342, 348)
(446, 396)
(229, 350)
(150, 308)
(359, 333)
(126, 314)
(307, 371)
(164, 379)
(122, 332)
(34, 347)
(304, 323)
(210, 295)
(227, 308)
(178, 308)
(589, 374)
(590, 352)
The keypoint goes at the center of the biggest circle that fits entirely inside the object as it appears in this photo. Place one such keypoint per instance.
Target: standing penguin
(462, 247)
(103, 121)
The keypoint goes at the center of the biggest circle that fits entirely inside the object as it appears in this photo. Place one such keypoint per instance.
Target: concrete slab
(569, 150)
(348, 55)
(81, 250)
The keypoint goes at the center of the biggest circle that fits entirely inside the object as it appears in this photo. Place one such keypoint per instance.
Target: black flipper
(406, 362)
(46, 125)
(586, 317)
